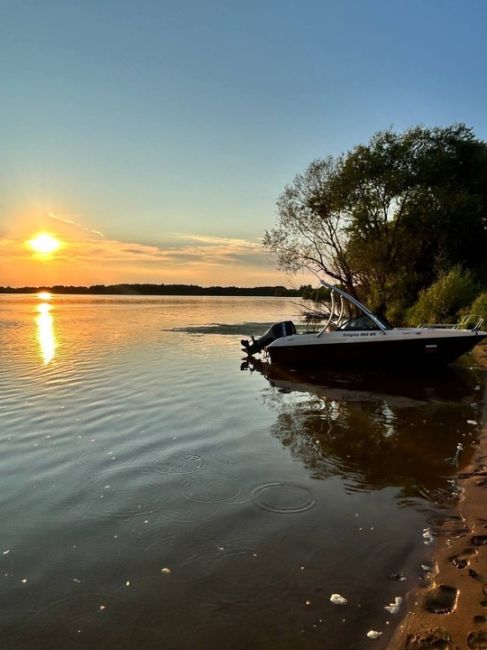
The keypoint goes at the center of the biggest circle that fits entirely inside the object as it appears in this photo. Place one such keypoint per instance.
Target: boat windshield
(363, 323)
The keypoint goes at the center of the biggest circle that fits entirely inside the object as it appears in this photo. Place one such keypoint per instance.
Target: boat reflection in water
(378, 430)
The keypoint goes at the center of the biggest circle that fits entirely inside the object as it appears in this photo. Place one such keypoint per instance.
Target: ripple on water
(283, 498)
(178, 462)
(220, 490)
(242, 568)
(124, 493)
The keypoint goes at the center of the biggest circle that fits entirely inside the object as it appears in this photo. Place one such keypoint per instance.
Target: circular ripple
(283, 498)
(126, 492)
(241, 568)
(177, 463)
(217, 490)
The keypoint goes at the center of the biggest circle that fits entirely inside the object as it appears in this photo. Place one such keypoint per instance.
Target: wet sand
(449, 611)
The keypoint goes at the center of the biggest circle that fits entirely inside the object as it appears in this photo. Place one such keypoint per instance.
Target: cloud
(87, 257)
(78, 226)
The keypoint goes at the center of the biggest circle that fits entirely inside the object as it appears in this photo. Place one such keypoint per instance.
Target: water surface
(153, 493)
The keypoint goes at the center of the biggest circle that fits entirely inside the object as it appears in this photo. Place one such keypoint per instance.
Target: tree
(384, 219)
(312, 226)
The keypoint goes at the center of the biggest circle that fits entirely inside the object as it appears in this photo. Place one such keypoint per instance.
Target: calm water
(153, 494)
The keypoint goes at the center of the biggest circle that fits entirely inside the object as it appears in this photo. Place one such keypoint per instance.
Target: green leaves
(385, 218)
(442, 301)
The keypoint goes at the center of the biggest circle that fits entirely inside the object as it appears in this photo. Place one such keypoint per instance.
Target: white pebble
(473, 422)
(374, 634)
(427, 536)
(393, 607)
(165, 570)
(336, 599)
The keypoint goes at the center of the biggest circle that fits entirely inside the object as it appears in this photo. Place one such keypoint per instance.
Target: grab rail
(461, 325)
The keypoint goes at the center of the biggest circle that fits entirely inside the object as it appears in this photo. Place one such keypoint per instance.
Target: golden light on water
(44, 243)
(44, 295)
(45, 332)
(44, 308)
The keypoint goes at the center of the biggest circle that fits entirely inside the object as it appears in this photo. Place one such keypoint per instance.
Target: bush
(442, 301)
(479, 306)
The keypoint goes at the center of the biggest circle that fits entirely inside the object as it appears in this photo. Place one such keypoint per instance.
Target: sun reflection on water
(45, 331)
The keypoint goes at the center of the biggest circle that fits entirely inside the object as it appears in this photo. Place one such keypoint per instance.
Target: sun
(44, 243)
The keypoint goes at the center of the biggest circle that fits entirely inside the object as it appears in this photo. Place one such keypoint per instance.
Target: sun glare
(44, 243)
(45, 332)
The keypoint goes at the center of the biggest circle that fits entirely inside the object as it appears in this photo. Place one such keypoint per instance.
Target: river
(154, 493)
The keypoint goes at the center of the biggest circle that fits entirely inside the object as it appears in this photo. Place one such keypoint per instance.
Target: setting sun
(44, 243)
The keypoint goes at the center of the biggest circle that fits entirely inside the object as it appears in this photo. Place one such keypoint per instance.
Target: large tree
(383, 219)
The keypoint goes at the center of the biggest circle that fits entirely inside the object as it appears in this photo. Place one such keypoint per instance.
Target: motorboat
(353, 336)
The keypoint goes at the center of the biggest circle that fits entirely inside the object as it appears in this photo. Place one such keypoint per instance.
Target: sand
(449, 612)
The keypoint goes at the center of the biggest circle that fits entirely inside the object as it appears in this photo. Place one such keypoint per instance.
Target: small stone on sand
(337, 599)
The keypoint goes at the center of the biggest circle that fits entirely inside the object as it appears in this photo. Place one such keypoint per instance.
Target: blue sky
(162, 124)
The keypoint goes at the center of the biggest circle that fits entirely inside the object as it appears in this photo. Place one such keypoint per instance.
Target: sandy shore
(450, 611)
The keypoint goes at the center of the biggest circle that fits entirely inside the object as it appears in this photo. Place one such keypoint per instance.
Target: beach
(449, 611)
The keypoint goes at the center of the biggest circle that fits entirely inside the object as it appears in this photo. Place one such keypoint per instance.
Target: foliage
(159, 290)
(479, 307)
(320, 294)
(312, 228)
(442, 301)
(386, 219)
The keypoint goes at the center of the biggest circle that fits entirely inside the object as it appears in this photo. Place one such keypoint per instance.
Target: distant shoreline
(158, 290)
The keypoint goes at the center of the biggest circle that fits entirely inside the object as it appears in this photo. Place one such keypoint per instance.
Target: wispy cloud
(78, 226)
(89, 257)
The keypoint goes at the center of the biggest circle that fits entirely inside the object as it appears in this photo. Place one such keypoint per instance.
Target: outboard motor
(276, 331)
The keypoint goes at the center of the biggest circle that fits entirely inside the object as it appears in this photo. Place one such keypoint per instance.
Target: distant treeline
(160, 290)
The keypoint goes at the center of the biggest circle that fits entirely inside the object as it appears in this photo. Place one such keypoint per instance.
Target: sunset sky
(152, 138)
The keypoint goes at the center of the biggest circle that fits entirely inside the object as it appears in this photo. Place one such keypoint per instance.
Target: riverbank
(450, 611)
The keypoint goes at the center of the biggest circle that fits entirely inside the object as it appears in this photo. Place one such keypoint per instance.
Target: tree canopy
(387, 218)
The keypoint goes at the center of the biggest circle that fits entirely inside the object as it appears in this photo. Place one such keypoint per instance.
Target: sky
(154, 137)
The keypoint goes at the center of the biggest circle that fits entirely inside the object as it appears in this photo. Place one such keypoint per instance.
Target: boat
(355, 337)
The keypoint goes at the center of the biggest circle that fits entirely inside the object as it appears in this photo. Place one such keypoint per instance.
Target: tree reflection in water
(377, 430)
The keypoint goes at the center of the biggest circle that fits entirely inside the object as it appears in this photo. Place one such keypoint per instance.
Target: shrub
(479, 306)
(442, 301)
